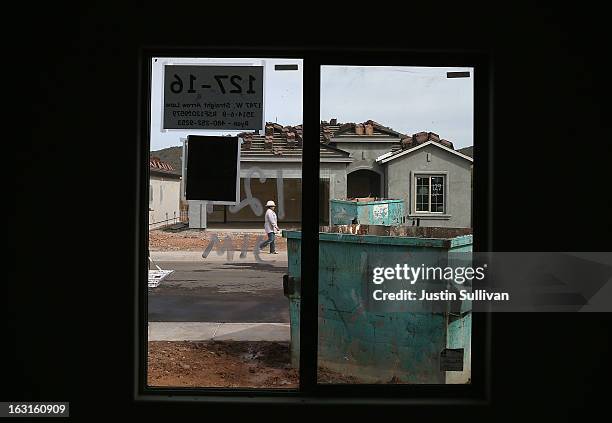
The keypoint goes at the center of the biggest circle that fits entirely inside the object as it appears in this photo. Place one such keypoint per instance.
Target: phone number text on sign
(213, 97)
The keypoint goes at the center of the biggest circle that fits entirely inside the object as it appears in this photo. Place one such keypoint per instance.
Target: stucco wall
(164, 199)
(365, 153)
(400, 184)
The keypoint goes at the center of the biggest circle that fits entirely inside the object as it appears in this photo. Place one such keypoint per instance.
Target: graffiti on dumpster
(380, 212)
(340, 214)
(396, 216)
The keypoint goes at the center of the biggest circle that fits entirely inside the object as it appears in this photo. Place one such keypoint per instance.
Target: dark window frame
(309, 391)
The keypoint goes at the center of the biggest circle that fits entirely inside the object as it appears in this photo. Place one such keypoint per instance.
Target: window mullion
(429, 195)
(310, 229)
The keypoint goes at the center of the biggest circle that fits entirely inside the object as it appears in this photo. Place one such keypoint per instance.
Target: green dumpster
(374, 346)
(385, 212)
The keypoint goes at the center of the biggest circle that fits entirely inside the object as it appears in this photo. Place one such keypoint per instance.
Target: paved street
(217, 290)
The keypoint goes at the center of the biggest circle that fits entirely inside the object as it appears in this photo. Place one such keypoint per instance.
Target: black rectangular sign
(213, 166)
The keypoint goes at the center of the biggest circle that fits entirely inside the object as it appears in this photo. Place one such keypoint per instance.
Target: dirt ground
(227, 364)
(196, 240)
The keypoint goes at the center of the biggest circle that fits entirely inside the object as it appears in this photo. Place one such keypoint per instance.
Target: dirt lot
(196, 240)
(226, 364)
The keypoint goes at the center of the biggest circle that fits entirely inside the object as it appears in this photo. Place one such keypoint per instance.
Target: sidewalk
(208, 331)
(213, 257)
(254, 228)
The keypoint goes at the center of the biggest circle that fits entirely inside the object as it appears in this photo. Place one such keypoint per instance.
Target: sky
(407, 99)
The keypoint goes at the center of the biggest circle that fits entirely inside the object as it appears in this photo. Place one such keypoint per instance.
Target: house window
(324, 357)
(430, 195)
(150, 194)
(161, 194)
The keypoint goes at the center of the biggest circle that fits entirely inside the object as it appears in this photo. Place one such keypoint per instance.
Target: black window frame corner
(309, 391)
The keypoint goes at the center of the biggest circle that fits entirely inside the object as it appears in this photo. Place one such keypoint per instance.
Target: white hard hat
(270, 203)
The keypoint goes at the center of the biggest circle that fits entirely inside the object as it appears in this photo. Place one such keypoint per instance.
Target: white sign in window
(213, 97)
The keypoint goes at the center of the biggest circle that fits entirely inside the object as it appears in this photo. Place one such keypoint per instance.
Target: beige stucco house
(164, 194)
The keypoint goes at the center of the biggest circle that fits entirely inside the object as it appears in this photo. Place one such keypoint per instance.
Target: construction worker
(270, 226)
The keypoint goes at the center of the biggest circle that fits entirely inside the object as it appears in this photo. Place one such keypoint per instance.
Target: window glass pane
(422, 191)
(437, 185)
(437, 194)
(422, 203)
(437, 207)
(218, 314)
(378, 173)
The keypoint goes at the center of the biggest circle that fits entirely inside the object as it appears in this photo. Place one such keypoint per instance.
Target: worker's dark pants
(269, 241)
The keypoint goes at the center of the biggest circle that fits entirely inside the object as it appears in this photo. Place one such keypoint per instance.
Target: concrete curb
(208, 331)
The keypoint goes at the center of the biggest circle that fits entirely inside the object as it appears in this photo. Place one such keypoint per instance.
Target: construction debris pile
(398, 231)
(365, 199)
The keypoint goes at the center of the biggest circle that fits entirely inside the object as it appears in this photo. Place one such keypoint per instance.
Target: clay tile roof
(281, 142)
(350, 129)
(419, 138)
(156, 163)
(160, 167)
(286, 141)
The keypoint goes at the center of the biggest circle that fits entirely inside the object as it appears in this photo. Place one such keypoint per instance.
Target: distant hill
(172, 155)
